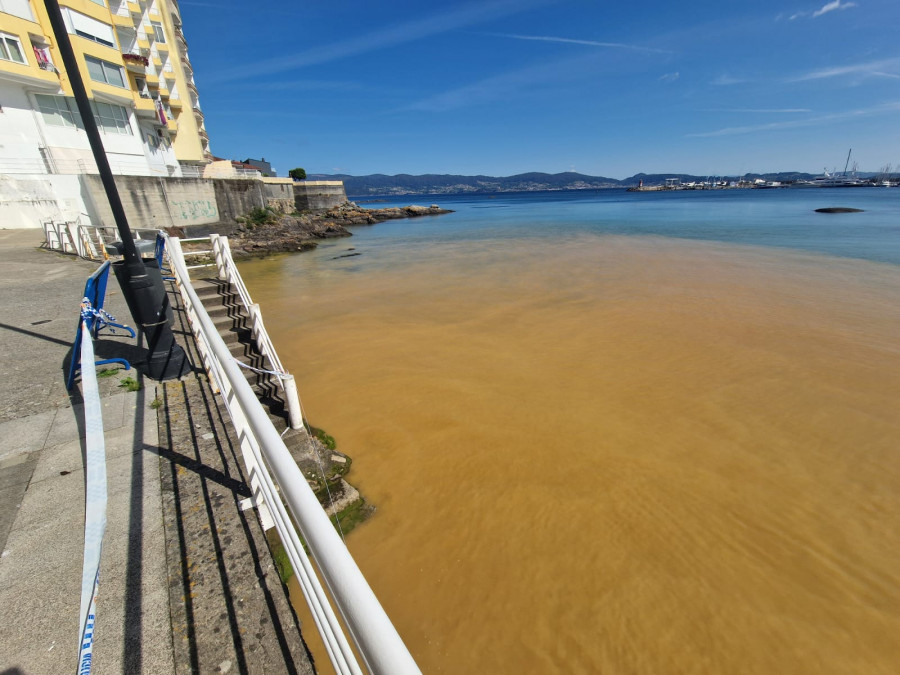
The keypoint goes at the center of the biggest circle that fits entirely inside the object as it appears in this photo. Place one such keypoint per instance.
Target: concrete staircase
(324, 468)
(227, 312)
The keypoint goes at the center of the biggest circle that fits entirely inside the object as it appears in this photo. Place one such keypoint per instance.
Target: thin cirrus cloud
(396, 34)
(825, 9)
(506, 85)
(726, 81)
(880, 68)
(576, 41)
(762, 111)
(884, 109)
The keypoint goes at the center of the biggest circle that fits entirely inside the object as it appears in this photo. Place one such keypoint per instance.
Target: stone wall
(279, 194)
(154, 202)
(318, 195)
(157, 202)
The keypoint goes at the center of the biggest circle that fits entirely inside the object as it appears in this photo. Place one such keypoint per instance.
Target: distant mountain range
(405, 184)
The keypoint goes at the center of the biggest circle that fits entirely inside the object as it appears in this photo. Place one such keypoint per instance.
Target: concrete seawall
(156, 202)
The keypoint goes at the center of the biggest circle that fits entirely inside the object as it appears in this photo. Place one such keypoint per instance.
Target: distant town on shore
(406, 184)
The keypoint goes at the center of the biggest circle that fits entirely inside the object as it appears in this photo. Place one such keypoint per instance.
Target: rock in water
(838, 209)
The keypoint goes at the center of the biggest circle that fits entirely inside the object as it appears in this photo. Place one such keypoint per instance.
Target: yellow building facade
(134, 63)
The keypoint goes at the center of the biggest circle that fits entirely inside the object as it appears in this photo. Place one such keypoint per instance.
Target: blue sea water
(784, 218)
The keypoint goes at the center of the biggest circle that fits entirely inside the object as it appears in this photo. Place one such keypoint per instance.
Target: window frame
(6, 53)
(158, 32)
(62, 111)
(104, 67)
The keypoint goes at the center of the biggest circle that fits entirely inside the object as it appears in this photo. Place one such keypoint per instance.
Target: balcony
(157, 62)
(193, 87)
(163, 92)
(134, 9)
(175, 102)
(173, 125)
(162, 46)
(145, 106)
(143, 44)
(136, 63)
(123, 20)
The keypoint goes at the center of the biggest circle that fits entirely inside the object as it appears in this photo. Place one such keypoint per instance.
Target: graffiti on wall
(193, 210)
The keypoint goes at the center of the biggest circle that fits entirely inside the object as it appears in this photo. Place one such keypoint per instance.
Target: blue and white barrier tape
(94, 502)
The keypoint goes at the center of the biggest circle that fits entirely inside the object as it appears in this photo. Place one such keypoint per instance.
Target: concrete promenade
(187, 582)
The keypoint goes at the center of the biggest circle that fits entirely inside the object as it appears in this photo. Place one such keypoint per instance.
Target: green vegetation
(298, 173)
(156, 403)
(280, 557)
(130, 384)
(258, 216)
(327, 440)
(107, 372)
(352, 516)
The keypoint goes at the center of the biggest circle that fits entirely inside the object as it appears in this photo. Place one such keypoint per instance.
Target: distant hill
(406, 184)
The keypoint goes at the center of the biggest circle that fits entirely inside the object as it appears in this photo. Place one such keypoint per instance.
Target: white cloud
(389, 36)
(881, 67)
(775, 111)
(726, 80)
(574, 41)
(886, 108)
(832, 6)
(828, 7)
(510, 84)
(669, 77)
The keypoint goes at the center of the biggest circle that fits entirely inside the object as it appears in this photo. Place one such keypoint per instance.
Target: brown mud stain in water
(614, 455)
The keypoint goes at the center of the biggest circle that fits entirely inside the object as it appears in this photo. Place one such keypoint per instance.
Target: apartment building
(134, 63)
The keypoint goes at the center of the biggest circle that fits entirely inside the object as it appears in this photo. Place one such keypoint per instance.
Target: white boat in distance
(832, 180)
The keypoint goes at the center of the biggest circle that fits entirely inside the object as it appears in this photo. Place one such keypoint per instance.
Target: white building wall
(26, 200)
(20, 136)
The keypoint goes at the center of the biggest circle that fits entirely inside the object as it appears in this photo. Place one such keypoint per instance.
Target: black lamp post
(140, 280)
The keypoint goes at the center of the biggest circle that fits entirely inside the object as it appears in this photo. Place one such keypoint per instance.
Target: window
(158, 31)
(88, 28)
(61, 111)
(11, 48)
(102, 3)
(113, 119)
(19, 8)
(104, 71)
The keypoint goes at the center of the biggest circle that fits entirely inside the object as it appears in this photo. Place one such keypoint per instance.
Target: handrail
(375, 637)
(228, 272)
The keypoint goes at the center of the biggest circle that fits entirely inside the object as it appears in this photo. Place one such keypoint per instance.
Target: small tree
(297, 174)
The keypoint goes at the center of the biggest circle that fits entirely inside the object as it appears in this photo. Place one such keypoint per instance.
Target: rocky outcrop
(302, 232)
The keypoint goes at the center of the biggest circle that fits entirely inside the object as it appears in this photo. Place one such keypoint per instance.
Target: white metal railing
(136, 167)
(85, 241)
(272, 471)
(227, 271)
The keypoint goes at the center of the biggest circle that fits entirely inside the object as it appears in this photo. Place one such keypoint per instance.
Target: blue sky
(500, 87)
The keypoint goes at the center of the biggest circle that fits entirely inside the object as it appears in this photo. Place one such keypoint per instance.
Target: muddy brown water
(618, 455)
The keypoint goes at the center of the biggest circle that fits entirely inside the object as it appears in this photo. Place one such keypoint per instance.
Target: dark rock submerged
(838, 209)
(303, 231)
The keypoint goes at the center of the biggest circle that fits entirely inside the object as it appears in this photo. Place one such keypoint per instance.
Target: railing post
(256, 326)
(217, 251)
(295, 414)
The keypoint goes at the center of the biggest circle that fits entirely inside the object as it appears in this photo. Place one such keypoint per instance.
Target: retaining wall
(155, 202)
(316, 195)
